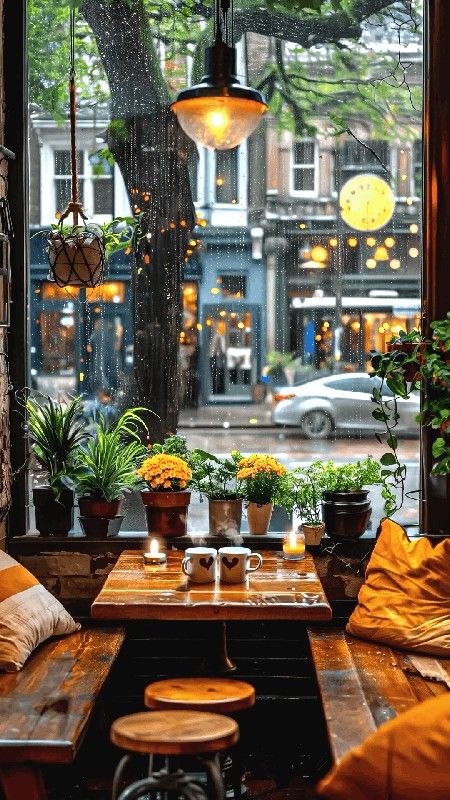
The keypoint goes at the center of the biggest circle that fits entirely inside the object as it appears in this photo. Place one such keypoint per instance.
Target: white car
(340, 402)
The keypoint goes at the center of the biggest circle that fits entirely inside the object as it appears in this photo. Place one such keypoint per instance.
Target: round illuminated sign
(367, 202)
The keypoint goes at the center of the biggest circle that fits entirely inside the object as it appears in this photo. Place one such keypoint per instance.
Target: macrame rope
(73, 143)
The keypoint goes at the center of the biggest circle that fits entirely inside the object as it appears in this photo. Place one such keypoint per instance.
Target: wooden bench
(45, 708)
(362, 685)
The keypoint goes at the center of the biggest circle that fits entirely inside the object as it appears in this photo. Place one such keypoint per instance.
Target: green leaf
(387, 459)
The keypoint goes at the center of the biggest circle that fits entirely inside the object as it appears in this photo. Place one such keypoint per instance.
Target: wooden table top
(133, 591)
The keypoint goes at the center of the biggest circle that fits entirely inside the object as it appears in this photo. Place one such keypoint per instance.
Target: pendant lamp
(220, 112)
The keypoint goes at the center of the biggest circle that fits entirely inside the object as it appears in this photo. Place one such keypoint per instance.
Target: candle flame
(154, 547)
(292, 539)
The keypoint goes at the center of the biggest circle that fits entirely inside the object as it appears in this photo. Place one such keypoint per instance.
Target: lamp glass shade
(367, 202)
(220, 122)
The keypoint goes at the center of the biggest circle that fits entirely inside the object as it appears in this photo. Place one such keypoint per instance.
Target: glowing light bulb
(371, 263)
(394, 263)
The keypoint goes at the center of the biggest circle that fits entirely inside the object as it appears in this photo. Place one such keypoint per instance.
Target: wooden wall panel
(5, 463)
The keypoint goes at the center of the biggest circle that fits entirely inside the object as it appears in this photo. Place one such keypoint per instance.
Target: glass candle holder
(154, 555)
(294, 546)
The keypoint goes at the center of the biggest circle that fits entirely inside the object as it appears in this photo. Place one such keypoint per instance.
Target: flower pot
(410, 370)
(53, 518)
(101, 527)
(313, 533)
(166, 512)
(258, 517)
(76, 259)
(90, 507)
(346, 514)
(225, 517)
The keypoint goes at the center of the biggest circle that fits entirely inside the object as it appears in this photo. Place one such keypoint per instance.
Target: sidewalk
(228, 415)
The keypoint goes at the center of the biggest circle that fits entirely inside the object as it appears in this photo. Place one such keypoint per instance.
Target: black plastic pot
(53, 518)
(101, 527)
(346, 514)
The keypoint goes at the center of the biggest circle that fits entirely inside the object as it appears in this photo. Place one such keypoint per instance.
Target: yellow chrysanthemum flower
(164, 471)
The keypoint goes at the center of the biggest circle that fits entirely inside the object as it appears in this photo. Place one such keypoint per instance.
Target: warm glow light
(294, 546)
(394, 263)
(333, 242)
(219, 122)
(371, 241)
(389, 241)
(414, 228)
(371, 263)
(367, 202)
(319, 253)
(409, 201)
(352, 241)
(413, 252)
(153, 547)
(381, 253)
(215, 290)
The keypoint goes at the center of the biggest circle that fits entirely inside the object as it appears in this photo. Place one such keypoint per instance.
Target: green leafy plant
(56, 430)
(106, 465)
(305, 492)
(349, 477)
(174, 445)
(426, 366)
(277, 361)
(118, 234)
(213, 477)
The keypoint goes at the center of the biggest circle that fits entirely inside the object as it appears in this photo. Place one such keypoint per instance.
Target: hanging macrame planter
(76, 253)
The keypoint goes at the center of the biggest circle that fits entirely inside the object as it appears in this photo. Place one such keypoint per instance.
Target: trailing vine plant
(410, 364)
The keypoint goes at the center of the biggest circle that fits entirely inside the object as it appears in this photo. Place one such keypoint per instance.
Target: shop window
(304, 167)
(227, 176)
(95, 181)
(232, 286)
(61, 163)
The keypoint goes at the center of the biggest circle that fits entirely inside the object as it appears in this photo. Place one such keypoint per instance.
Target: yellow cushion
(405, 599)
(29, 614)
(408, 758)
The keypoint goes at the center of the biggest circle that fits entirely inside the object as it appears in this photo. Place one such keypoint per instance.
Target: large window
(209, 316)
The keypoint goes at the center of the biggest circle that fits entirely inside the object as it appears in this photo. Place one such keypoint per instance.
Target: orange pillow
(405, 599)
(408, 758)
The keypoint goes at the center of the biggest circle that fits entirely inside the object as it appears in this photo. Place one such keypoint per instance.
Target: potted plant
(346, 507)
(261, 481)
(281, 364)
(167, 475)
(56, 430)
(106, 469)
(215, 478)
(306, 490)
(77, 253)
(407, 350)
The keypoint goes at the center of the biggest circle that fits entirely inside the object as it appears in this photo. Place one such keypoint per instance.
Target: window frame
(293, 166)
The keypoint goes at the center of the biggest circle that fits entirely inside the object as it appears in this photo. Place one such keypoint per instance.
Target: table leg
(216, 660)
(22, 781)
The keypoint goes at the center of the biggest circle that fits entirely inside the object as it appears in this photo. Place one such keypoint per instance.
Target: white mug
(199, 564)
(234, 564)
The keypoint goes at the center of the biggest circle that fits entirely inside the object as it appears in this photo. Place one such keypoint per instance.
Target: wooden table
(278, 590)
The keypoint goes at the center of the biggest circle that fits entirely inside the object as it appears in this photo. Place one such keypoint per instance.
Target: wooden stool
(220, 695)
(174, 733)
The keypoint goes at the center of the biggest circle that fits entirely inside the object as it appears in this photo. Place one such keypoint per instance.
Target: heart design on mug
(206, 562)
(230, 563)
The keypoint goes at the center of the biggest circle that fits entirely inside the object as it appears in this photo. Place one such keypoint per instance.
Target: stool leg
(120, 769)
(215, 780)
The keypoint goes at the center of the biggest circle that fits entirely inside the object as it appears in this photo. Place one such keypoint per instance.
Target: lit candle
(294, 546)
(154, 556)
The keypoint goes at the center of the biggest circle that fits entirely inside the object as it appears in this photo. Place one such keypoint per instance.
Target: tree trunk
(152, 153)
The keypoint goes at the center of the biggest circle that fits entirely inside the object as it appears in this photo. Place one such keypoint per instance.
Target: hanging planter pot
(76, 254)
(77, 258)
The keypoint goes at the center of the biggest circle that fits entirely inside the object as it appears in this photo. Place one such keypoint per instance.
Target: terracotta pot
(313, 533)
(166, 512)
(225, 517)
(346, 514)
(410, 370)
(258, 517)
(101, 527)
(53, 518)
(90, 507)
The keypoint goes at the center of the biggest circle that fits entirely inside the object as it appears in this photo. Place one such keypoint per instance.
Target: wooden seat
(363, 684)
(45, 708)
(220, 695)
(174, 733)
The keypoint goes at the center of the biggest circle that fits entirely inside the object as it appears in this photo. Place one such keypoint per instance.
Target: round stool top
(221, 695)
(174, 732)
